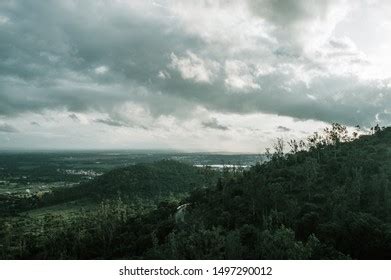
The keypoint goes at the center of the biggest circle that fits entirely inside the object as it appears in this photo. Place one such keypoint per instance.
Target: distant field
(24, 173)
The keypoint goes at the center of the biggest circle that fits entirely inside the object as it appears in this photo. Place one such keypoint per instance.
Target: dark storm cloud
(82, 56)
(334, 99)
(214, 124)
(7, 128)
(52, 52)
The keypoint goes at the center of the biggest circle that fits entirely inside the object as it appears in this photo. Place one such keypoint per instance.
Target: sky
(205, 75)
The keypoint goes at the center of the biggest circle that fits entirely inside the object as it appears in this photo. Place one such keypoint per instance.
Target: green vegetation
(152, 181)
(328, 198)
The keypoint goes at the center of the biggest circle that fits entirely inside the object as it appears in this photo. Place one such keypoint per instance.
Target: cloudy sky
(205, 75)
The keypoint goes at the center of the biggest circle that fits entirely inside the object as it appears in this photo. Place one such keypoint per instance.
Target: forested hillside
(327, 198)
(152, 181)
(332, 201)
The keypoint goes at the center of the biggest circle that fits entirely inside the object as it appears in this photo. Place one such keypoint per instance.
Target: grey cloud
(119, 123)
(214, 124)
(291, 12)
(74, 117)
(112, 122)
(345, 48)
(7, 128)
(285, 12)
(50, 53)
(337, 99)
(338, 44)
(295, 21)
(281, 128)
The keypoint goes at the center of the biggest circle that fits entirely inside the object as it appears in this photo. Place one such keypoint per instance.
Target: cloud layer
(131, 64)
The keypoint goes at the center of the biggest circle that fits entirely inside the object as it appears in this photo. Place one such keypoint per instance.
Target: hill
(156, 179)
(328, 198)
(152, 181)
(332, 200)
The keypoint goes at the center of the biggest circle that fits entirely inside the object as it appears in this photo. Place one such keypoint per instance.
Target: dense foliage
(154, 181)
(328, 198)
